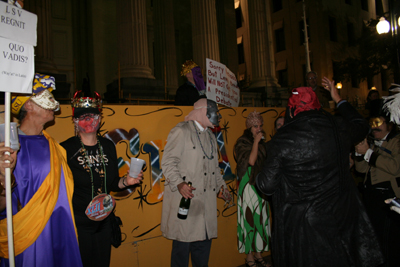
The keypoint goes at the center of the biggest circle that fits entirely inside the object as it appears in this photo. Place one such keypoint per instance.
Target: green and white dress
(253, 227)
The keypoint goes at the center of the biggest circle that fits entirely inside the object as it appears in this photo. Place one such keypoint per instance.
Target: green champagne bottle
(184, 206)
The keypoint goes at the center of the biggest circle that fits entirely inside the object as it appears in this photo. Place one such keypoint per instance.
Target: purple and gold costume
(44, 189)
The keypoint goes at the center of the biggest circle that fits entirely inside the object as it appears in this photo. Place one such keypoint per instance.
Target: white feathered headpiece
(392, 104)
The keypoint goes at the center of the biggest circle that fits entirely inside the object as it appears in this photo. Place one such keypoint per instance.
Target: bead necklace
(202, 148)
(103, 181)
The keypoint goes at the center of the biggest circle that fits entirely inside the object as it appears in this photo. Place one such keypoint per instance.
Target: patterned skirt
(253, 227)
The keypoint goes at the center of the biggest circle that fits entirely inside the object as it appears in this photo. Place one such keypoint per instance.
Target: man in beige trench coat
(191, 155)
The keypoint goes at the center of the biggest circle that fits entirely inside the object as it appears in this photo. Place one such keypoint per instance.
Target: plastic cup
(136, 167)
(14, 141)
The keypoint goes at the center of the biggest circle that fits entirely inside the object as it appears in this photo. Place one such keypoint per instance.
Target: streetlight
(383, 25)
(339, 86)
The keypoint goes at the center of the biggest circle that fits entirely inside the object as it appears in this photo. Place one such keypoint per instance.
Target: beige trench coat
(184, 157)
(387, 165)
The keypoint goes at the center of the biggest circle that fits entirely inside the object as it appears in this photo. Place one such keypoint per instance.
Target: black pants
(94, 242)
(385, 222)
(199, 251)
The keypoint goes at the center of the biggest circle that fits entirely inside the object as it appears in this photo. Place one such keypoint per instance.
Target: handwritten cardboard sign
(222, 86)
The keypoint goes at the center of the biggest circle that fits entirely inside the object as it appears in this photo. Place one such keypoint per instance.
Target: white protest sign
(17, 38)
(17, 66)
(222, 85)
(17, 24)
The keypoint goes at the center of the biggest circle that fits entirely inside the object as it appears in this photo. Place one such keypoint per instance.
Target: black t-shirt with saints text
(104, 181)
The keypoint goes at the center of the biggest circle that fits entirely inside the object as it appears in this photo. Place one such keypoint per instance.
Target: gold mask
(376, 122)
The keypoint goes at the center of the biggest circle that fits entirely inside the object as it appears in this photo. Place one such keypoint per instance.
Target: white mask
(46, 100)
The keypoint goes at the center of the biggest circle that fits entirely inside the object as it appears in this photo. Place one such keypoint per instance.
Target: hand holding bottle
(184, 205)
(185, 190)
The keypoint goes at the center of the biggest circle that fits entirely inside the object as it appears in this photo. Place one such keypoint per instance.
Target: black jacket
(319, 219)
(187, 95)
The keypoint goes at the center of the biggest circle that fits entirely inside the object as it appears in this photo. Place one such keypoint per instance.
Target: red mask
(88, 123)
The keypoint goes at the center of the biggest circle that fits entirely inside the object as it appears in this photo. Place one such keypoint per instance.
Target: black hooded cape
(318, 217)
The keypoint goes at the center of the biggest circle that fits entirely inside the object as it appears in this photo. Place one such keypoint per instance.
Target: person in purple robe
(194, 88)
(44, 227)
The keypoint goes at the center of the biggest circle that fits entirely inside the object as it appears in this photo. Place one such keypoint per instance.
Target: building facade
(132, 50)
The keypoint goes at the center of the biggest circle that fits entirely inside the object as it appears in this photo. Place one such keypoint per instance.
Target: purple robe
(57, 245)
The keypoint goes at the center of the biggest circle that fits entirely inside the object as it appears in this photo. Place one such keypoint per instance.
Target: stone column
(44, 49)
(165, 67)
(132, 39)
(228, 48)
(204, 32)
(261, 43)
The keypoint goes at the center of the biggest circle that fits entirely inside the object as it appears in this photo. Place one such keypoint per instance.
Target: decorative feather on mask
(392, 104)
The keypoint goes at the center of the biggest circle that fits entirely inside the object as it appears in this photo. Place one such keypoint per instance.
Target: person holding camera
(378, 156)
